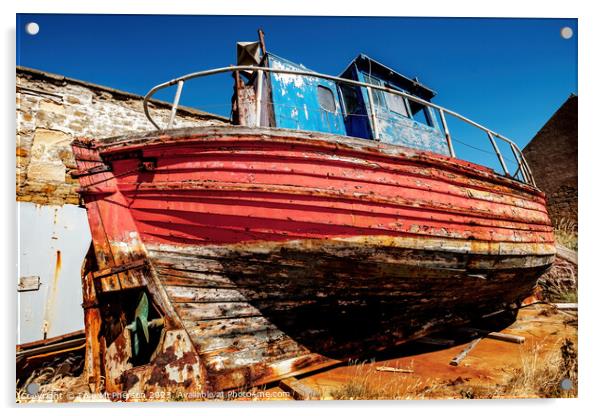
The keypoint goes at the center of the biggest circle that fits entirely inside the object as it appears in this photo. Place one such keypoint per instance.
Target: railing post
(373, 114)
(497, 152)
(527, 167)
(174, 107)
(447, 134)
(520, 164)
(258, 98)
(524, 169)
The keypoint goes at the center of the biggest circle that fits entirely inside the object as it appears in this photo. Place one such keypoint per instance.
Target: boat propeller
(140, 325)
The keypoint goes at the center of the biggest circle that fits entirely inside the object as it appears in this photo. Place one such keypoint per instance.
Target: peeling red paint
(273, 252)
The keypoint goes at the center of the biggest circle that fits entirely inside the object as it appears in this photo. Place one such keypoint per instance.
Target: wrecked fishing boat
(329, 221)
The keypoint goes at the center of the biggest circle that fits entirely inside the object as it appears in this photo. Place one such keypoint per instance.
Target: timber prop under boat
(231, 256)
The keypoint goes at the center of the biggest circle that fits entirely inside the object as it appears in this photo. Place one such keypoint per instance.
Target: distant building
(552, 155)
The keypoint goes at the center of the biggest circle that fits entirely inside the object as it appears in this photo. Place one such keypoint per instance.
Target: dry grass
(560, 283)
(369, 384)
(565, 233)
(541, 374)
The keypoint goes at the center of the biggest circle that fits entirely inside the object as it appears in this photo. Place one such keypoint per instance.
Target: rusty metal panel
(53, 243)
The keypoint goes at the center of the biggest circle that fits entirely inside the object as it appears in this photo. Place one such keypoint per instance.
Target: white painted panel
(53, 241)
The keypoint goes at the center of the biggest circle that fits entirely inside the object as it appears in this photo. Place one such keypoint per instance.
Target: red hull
(232, 189)
(234, 221)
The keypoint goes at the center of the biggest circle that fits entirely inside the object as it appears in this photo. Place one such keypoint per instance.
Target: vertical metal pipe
(497, 152)
(528, 169)
(447, 134)
(259, 92)
(373, 114)
(176, 101)
(525, 169)
(520, 164)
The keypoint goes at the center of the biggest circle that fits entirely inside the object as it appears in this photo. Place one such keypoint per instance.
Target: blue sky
(508, 74)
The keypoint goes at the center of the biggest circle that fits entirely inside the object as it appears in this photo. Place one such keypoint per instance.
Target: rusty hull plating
(266, 253)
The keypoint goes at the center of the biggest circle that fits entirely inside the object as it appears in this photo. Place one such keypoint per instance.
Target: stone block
(46, 171)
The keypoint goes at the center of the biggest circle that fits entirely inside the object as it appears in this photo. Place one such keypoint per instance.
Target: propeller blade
(142, 308)
(143, 324)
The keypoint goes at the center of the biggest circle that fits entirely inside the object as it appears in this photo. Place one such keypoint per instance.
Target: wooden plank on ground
(298, 390)
(458, 358)
(566, 253)
(566, 306)
(516, 339)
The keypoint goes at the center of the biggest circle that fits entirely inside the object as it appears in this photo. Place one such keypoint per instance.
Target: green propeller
(140, 325)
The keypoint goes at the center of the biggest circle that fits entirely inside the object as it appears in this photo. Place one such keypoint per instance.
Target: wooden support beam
(567, 306)
(298, 390)
(516, 339)
(136, 264)
(566, 253)
(458, 358)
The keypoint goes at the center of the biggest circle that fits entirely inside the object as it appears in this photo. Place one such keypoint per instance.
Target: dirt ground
(493, 369)
(487, 371)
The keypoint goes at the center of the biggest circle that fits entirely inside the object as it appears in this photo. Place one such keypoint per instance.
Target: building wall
(552, 156)
(53, 229)
(52, 110)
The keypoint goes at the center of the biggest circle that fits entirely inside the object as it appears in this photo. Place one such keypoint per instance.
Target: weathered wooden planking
(209, 281)
(284, 293)
(273, 341)
(245, 186)
(215, 310)
(378, 254)
(253, 351)
(458, 265)
(276, 249)
(421, 164)
(186, 294)
(331, 204)
(264, 372)
(228, 327)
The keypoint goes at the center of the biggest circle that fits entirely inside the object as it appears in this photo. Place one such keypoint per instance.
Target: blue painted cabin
(303, 103)
(314, 104)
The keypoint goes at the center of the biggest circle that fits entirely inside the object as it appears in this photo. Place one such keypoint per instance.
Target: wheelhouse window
(326, 99)
(350, 100)
(377, 95)
(420, 113)
(397, 104)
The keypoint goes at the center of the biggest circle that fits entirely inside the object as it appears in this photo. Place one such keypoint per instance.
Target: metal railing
(523, 167)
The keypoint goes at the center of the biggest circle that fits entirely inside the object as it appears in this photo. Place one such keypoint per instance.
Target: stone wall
(552, 156)
(52, 110)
